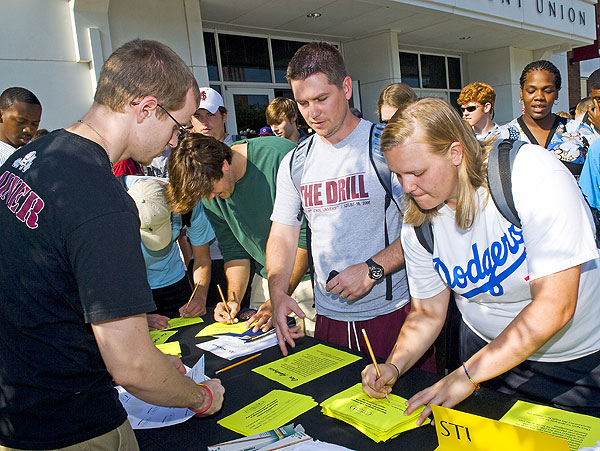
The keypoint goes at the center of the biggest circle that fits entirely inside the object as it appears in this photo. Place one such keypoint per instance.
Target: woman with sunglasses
(528, 296)
(477, 105)
(569, 140)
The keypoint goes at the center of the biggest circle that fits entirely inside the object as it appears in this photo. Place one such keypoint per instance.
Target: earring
(556, 102)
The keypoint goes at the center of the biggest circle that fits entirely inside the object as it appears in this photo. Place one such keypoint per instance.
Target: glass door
(246, 110)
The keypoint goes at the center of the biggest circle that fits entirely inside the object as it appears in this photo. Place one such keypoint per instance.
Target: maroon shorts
(382, 332)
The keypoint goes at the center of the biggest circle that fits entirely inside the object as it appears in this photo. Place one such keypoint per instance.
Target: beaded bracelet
(210, 396)
(396, 369)
(477, 387)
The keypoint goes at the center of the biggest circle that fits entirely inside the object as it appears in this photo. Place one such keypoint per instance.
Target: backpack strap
(500, 165)
(424, 234)
(300, 153)
(379, 162)
(121, 179)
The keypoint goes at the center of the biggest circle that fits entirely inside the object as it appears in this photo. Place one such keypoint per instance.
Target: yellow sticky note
(161, 336)
(172, 348)
(180, 322)
(304, 366)
(275, 409)
(375, 418)
(222, 328)
(459, 431)
(578, 430)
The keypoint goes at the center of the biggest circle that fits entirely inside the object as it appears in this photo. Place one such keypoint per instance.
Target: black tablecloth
(243, 386)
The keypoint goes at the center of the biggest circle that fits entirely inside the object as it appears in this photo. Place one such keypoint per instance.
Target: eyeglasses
(183, 131)
(469, 108)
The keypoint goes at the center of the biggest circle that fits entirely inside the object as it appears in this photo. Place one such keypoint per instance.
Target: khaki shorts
(303, 296)
(119, 439)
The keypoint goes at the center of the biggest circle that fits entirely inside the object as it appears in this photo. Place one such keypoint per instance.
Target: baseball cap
(155, 214)
(210, 100)
(265, 131)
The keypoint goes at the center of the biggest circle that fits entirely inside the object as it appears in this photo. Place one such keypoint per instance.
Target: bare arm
(553, 305)
(264, 316)
(201, 275)
(420, 329)
(135, 363)
(354, 281)
(237, 273)
(282, 247)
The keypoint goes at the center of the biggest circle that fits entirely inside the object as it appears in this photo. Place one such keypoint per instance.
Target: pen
(191, 297)
(373, 358)
(237, 363)
(224, 303)
(269, 332)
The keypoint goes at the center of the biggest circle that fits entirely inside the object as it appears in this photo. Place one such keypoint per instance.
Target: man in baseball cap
(211, 115)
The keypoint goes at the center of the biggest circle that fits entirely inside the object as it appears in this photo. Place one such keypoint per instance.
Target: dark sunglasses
(470, 108)
(183, 131)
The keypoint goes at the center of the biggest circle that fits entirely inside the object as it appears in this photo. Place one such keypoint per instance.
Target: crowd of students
(393, 222)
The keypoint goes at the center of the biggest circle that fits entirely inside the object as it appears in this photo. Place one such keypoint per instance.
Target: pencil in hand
(191, 297)
(364, 332)
(225, 304)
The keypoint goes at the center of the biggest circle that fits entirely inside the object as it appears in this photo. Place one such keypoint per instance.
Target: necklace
(96, 132)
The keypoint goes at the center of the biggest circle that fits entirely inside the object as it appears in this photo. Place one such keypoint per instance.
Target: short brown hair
(279, 107)
(194, 166)
(397, 95)
(145, 68)
(314, 58)
(477, 92)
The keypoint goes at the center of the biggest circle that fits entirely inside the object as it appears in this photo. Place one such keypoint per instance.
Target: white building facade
(55, 48)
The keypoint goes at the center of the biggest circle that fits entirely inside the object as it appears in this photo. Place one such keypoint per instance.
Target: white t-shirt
(343, 201)
(6, 150)
(489, 266)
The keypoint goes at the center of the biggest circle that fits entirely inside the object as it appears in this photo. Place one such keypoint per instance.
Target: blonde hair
(440, 125)
(396, 95)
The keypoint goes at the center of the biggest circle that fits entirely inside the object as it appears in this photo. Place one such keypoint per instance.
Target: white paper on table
(142, 415)
(230, 348)
(303, 442)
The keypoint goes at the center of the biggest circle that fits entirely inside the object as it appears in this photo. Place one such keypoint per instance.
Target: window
(432, 75)
(282, 54)
(244, 58)
(211, 56)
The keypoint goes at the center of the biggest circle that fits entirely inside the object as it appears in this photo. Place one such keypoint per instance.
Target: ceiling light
(313, 15)
(464, 38)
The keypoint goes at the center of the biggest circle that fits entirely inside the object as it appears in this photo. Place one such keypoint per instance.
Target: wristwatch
(375, 270)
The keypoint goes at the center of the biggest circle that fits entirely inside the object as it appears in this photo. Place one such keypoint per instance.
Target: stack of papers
(376, 418)
(289, 437)
(142, 415)
(272, 411)
(233, 347)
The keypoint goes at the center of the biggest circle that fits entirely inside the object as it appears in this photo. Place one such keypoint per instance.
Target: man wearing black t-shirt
(73, 291)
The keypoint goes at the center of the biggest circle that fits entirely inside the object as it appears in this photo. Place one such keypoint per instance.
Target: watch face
(376, 272)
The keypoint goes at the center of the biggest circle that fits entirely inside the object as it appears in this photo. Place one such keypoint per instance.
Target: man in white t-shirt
(344, 204)
(20, 114)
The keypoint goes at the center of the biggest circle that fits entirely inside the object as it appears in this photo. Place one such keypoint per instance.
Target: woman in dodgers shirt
(529, 297)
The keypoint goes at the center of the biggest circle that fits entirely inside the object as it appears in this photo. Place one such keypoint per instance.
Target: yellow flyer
(277, 408)
(459, 431)
(172, 348)
(307, 365)
(181, 322)
(161, 336)
(581, 431)
(222, 328)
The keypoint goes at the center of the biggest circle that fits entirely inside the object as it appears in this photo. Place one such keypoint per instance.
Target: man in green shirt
(237, 186)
